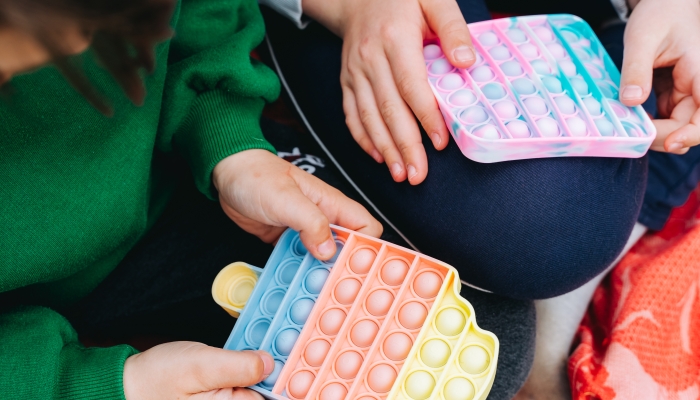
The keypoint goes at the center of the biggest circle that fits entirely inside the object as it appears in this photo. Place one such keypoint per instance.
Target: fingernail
(632, 92)
(436, 139)
(411, 171)
(268, 363)
(396, 169)
(377, 157)
(675, 146)
(464, 54)
(327, 248)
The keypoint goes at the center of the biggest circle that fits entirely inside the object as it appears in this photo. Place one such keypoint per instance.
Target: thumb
(218, 368)
(637, 65)
(445, 19)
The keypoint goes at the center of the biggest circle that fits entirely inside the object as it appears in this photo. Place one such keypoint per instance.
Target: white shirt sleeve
(620, 6)
(290, 9)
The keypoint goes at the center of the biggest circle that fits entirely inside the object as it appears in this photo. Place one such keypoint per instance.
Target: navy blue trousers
(527, 229)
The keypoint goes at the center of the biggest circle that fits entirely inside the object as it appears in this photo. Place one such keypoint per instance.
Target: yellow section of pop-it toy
(233, 286)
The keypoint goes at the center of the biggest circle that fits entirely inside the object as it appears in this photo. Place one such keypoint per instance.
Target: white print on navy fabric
(307, 162)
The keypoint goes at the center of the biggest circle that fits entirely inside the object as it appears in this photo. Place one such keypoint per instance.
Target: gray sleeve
(621, 7)
(290, 9)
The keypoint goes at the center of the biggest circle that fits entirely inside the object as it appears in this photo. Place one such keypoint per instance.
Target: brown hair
(124, 34)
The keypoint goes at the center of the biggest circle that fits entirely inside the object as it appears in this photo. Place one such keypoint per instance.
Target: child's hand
(264, 194)
(383, 74)
(663, 38)
(188, 370)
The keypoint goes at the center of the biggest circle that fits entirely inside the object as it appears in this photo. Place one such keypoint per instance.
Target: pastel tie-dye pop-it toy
(542, 86)
(377, 322)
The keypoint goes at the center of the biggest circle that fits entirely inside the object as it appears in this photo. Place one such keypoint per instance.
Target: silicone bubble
(287, 270)
(500, 53)
(488, 39)
(565, 105)
(619, 110)
(256, 331)
(580, 86)
(570, 36)
(379, 302)
(451, 81)
(529, 50)
(299, 383)
(536, 105)
(487, 131)
(450, 322)
(363, 333)
(556, 50)
(548, 127)
(338, 248)
(427, 284)
(412, 315)
(632, 130)
(432, 51)
(333, 391)
(577, 126)
(315, 279)
(518, 129)
(381, 377)
(543, 33)
(300, 310)
(474, 359)
(524, 86)
(568, 67)
(506, 109)
(512, 68)
(482, 74)
(348, 364)
(331, 321)
(462, 98)
(316, 352)
(272, 300)
(394, 271)
(605, 127)
(582, 54)
(367, 398)
(346, 290)
(285, 341)
(541, 67)
(272, 378)
(240, 291)
(608, 90)
(474, 115)
(516, 35)
(593, 106)
(435, 353)
(494, 91)
(299, 248)
(459, 389)
(397, 345)
(440, 66)
(361, 261)
(419, 385)
(593, 71)
(552, 84)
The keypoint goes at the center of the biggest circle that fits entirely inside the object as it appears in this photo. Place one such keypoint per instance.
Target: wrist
(327, 13)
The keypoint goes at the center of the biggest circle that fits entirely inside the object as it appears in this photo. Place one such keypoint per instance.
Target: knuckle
(365, 49)
(407, 86)
(391, 32)
(365, 116)
(388, 109)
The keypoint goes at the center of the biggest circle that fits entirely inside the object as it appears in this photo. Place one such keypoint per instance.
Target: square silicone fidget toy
(376, 322)
(542, 86)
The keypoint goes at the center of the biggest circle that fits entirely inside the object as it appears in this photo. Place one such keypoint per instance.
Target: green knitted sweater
(78, 190)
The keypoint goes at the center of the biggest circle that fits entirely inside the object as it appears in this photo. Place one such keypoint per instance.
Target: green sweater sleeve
(42, 359)
(214, 92)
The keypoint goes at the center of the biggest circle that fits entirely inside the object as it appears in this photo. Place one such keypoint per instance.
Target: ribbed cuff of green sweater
(219, 125)
(93, 373)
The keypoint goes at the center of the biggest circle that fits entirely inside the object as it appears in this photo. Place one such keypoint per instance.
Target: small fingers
(445, 19)
(217, 368)
(681, 131)
(637, 64)
(352, 120)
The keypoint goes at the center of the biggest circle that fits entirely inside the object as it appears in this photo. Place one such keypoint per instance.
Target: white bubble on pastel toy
(556, 50)
(535, 105)
(548, 127)
(506, 109)
(524, 86)
(543, 33)
(487, 131)
(315, 280)
(518, 129)
(568, 67)
(582, 54)
(272, 378)
(459, 388)
(593, 106)
(493, 91)
(285, 341)
(605, 127)
(440, 66)
(541, 67)
(580, 86)
(300, 310)
(451, 82)
(474, 115)
(569, 36)
(594, 71)
(516, 35)
(432, 51)
(500, 53)
(488, 39)
(552, 84)
(577, 126)
(565, 104)
(529, 50)
(512, 68)
(608, 90)
(482, 74)
(462, 98)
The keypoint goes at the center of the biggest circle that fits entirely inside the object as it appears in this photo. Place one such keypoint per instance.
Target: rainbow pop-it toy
(376, 322)
(542, 86)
